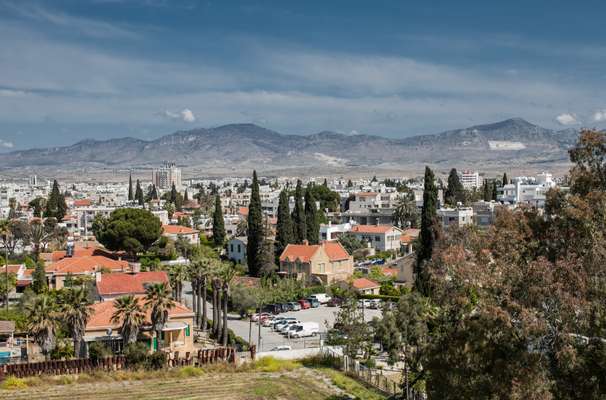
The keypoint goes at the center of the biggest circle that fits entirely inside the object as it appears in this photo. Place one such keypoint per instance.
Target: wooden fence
(114, 363)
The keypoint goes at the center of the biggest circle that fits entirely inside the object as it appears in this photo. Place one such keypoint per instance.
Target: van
(322, 298)
(305, 329)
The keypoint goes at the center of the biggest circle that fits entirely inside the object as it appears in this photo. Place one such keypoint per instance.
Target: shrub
(63, 351)
(156, 361)
(98, 351)
(190, 372)
(136, 355)
(271, 364)
(14, 383)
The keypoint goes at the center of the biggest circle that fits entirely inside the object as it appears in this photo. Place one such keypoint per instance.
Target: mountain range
(244, 146)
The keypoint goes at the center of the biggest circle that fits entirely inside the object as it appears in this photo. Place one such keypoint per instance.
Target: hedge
(379, 296)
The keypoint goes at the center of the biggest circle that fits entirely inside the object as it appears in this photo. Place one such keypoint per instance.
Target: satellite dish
(108, 331)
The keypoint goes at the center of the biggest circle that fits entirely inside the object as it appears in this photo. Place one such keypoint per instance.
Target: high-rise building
(167, 175)
(471, 180)
(33, 180)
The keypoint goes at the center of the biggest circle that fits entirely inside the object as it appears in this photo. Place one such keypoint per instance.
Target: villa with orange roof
(175, 232)
(380, 237)
(177, 333)
(111, 286)
(85, 265)
(324, 263)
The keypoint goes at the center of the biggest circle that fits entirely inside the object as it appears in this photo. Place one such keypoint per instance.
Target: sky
(78, 69)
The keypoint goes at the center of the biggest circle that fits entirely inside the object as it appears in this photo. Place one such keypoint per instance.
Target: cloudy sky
(79, 69)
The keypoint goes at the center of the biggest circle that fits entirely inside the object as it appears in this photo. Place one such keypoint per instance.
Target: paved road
(324, 316)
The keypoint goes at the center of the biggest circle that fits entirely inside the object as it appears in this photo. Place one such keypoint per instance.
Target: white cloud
(599, 116)
(185, 115)
(6, 144)
(11, 93)
(567, 119)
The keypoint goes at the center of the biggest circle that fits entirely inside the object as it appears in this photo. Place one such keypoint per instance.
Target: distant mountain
(237, 146)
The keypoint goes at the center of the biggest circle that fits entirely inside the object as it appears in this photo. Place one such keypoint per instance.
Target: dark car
(314, 302)
(334, 302)
(273, 308)
(287, 307)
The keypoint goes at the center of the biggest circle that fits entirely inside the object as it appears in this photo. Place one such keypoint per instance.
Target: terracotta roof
(304, 252)
(178, 230)
(87, 264)
(119, 283)
(412, 232)
(364, 283)
(102, 314)
(243, 211)
(246, 281)
(372, 228)
(389, 271)
(12, 268)
(82, 203)
(7, 326)
(367, 194)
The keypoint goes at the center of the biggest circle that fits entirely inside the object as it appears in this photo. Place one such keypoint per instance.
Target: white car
(281, 348)
(304, 329)
(322, 298)
(283, 327)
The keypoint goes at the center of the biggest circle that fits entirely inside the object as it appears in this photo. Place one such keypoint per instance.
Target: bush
(156, 361)
(13, 383)
(136, 355)
(98, 351)
(190, 372)
(270, 364)
(379, 296)
(63, 351)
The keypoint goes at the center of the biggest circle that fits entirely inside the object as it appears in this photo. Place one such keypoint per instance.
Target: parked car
(323, 298)
(334, 302)
(287, 307)
(284, 321)
(313, 302)
(305, 329)
(284, 326)
(273, 309)
(305, 304)
(295, 306)
(256, 317)
(281, 348)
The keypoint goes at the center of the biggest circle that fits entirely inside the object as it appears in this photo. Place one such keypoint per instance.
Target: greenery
(128, 229)
(298, 215)
(284, 228)
(255, 230)
(350, 242)
(218, 224)
(55, 204)
(312, 222)
(429, 225)
(455, 193)
(98, 351)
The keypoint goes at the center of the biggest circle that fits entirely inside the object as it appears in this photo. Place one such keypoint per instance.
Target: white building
(529, 190)
(456, 216)
(380, 237)
(332, 231)
(471, 180)
(236, 249)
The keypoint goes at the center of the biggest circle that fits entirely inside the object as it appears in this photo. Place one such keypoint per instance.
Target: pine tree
(455, 192)
(312, 224)
(255, 230)
(505, 180)
(428, 234)
(325, 183)
(494, 190)
(139, 194)
(284, 228)
(154, 193)
(185, 197)
(55, 205)
(173, 194)
(130, 187)
(298, 216)
(487, 190)
(218, 224)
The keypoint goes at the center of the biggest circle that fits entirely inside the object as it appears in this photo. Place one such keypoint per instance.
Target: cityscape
(224, 218)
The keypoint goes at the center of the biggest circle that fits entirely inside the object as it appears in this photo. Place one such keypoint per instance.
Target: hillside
(241, 146)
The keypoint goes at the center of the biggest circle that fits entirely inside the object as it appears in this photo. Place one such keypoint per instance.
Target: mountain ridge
(246, 144)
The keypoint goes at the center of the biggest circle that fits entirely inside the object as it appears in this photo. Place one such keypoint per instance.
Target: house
(380, 237)
(365, 286)
(177, 332)
(111, 286)
(236, 249)
(175, 232)
(407, 240)
(82, 266)
(323, 263)
(332, 231)
(459, 216)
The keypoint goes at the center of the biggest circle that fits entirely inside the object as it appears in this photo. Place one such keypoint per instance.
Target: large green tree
(455, 193)
(129, 314)
(218, 223)
(298, 215)
(130, 188)
(55, 204)
(128, 229)
(139, 194)
(284, 228)
(429, 228)
(406, 214)
(255, 231)
(76, 311)
(312, 222)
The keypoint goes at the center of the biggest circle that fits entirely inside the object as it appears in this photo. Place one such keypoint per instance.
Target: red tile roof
(12, 268)
(86, 264)
(364, 283)
(119, 283)
(372, 228)
(304, 252)
(178, 230)
(390, 271)
(102, 314)
(367, 194)
(82, 203)
(243, 211)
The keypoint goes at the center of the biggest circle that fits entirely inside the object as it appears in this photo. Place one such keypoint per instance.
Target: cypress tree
(139, 194)
(173, 194)
(130, 187)
(154, 193)
(311, 217)
(218, 224)
(55, 205)
(494, 190)
(428, 234)
(505, 180)
(454, 192)
(185, 197)
(255, 230)
(284, 228)
(39, 284)
(298, 216)
(487, 190)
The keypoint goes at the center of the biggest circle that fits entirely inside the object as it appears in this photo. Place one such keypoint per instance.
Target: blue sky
(79, 69)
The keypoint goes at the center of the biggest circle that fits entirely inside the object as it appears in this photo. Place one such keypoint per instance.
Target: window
(377, 238)
(239, 249)
(231, 248)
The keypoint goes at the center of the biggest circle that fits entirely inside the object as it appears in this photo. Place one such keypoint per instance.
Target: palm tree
(41, 316)
(38, 236)
(129, 313)
(76, 311)
(158, 299)
(227, 274)
(216, 285)
(406, 214)
(177, 275)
